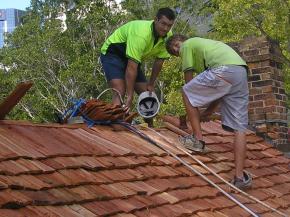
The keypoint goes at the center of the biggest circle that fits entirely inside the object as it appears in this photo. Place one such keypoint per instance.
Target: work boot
(191, 143)
(243, 184)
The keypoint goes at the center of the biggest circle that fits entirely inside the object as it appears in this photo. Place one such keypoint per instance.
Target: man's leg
(240, 146)
(118, 84)
(193, 116)
(114, 69)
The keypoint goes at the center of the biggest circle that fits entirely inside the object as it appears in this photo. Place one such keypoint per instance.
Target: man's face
(162, 25)
(175, 48)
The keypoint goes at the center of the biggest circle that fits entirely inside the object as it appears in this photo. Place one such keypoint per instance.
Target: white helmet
(148, 106)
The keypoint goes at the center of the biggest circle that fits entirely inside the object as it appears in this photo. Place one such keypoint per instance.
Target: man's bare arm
(156, 68)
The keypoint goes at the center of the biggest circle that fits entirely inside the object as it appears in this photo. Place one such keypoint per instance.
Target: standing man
(122, 53)
(222, 78)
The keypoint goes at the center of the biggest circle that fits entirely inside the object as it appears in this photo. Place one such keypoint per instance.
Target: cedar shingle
(94, 167)
(124, 205)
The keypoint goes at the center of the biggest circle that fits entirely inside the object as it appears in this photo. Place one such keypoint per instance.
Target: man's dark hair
(167, 12)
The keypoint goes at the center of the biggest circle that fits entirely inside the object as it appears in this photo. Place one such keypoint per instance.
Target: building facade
(9, 20)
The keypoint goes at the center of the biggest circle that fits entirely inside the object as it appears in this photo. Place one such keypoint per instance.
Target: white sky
(17, 4)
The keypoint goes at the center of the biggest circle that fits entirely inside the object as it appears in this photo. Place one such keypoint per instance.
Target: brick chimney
(267, 101)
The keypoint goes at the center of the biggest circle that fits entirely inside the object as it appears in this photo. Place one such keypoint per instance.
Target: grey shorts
(228, 83)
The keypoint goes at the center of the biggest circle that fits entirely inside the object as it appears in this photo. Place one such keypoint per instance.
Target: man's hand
(204, 116)
(151, 89)
(157, 65)
(210, 109)
(127, 107)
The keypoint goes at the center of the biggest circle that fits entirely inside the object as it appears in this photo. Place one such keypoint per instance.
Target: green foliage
(237, 20)
(147, 10)
(62, 58)
(168, 86)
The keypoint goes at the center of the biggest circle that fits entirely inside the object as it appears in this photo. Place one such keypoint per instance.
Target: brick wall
(267, 107)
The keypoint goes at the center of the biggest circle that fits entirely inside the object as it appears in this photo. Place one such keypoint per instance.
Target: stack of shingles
(100, 111)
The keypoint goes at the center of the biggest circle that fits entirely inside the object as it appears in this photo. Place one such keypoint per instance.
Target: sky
(17, 4)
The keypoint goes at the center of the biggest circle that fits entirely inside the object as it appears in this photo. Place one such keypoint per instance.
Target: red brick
(264, 96)
(262, 83)
(260, 58)
(283, 103)
(256, 104)
(278, 59)
(251, 111)
(273, 136)
(264, 50)
(269, 109)
(272, 102)
(254, 65)
(267, 89)
(256, 117)
(283, 117)
(281, 110)
(244, 48)
(275, 129)
(251, 53)
(259, 45)
(266, 76)
(265, 63)
(262, 128)
(263, 70)
(248, 41)
(253, 91)
(272, 116)
(278, 72)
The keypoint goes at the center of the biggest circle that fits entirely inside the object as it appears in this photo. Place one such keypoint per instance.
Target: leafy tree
(62, 58)
(58, 48)
(237, 20)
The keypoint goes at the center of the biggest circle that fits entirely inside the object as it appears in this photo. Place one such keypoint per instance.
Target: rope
(206, 167)
(77, 104)
(189, 167)
(88, 120)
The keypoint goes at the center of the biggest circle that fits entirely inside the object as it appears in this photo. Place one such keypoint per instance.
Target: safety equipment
(148, 106)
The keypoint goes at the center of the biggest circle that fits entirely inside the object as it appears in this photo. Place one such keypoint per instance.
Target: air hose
(113, 89)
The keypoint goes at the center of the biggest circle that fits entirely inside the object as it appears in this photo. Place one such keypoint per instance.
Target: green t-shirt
(135, 41)
(199, 54)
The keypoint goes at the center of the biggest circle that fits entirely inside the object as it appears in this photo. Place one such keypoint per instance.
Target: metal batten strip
(189, 167)
(206, 167)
